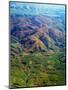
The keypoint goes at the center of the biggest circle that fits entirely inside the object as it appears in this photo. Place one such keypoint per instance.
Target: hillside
(37, 45)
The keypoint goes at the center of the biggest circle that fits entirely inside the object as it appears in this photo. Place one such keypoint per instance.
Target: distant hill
(38, 33)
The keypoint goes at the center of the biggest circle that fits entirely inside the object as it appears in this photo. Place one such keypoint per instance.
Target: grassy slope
(37, 69)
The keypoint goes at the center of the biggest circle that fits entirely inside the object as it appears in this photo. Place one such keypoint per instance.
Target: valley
(37, 46)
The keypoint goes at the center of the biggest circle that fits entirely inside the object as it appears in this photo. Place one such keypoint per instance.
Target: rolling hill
(37, 45)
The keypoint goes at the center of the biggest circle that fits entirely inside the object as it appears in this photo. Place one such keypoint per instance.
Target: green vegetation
(37, 69)
(37, 46)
